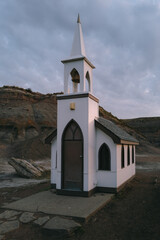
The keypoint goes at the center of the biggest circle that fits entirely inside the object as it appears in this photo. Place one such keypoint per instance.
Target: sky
(122, 40)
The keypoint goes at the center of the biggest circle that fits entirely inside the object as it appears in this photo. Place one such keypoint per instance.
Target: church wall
(106, 178)
(88, 69)
(123, 174)
(80, 115)
(53, 161)
(93, 112)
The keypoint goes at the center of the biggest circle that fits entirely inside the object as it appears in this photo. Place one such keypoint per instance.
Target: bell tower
(77, 68)
(77, 109)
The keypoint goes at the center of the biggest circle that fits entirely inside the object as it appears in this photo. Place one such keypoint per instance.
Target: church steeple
(78, 48)
(78, 66)
(78, 19)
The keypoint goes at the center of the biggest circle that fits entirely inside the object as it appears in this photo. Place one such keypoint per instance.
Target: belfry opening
(75, 80)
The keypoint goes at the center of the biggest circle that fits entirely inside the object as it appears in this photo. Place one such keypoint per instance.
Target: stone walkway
(52, 212)
(11, 220)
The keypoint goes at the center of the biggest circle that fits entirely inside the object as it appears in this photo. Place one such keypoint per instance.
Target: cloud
(121, 37)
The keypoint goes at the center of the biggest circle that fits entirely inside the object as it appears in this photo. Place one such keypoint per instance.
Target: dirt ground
(133, 214)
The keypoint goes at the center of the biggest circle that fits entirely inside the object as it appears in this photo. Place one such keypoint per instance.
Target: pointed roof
(78, 47)
(117, 134)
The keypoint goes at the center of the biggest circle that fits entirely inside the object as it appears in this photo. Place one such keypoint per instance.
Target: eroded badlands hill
(25, 119)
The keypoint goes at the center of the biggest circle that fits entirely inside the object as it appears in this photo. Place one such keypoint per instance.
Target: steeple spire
(78, 19)
(78, 48)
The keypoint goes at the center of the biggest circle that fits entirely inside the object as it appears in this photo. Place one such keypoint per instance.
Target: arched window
(122, 157)
(104, 158)
(128, 156)
(132, 154)
(88, 81)
(72, 132)
(75, 79)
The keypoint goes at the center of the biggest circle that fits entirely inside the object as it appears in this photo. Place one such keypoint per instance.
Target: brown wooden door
(72, 158)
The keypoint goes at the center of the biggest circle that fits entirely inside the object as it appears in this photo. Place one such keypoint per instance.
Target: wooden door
(72, 162)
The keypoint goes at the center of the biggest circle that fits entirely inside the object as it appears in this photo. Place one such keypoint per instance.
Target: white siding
(84, 114)
(106, 178)
(53, 161)
(123, 174)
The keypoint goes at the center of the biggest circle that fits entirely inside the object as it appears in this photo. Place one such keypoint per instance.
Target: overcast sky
(122, 40)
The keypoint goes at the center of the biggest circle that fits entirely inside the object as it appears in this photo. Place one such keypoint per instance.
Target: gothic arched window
(122, 157)
(128, 156)
(104, 158)
(88, 87)
(132, 154)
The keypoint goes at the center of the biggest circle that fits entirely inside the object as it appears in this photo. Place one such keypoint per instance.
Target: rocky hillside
(26, 118)
(148, 127)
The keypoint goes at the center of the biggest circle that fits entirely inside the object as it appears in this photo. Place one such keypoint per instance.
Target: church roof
(117, 134)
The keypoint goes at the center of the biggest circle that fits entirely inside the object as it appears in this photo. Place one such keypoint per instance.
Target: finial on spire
(78, 19)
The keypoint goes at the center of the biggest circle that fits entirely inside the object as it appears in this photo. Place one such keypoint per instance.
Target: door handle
(81, 156)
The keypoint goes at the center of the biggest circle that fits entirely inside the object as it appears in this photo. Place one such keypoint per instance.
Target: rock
(8, 226)
(61, 225)
(1, 237)
(27, 217)
(25, 168)
(155, 180)
(12, 218)
(39, 167)
(41, 220)
(9, 214)
(16, 198)
(4, 193)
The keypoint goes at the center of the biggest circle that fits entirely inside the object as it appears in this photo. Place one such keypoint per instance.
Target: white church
(88, 153)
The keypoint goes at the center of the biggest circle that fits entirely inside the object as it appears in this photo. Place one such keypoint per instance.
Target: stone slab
(8, 226)
(62, 225)
(41, 220)
(26, 217)
(9, 214)
(51, 203)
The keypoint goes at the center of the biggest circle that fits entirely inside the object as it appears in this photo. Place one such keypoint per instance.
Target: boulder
(26, 169)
